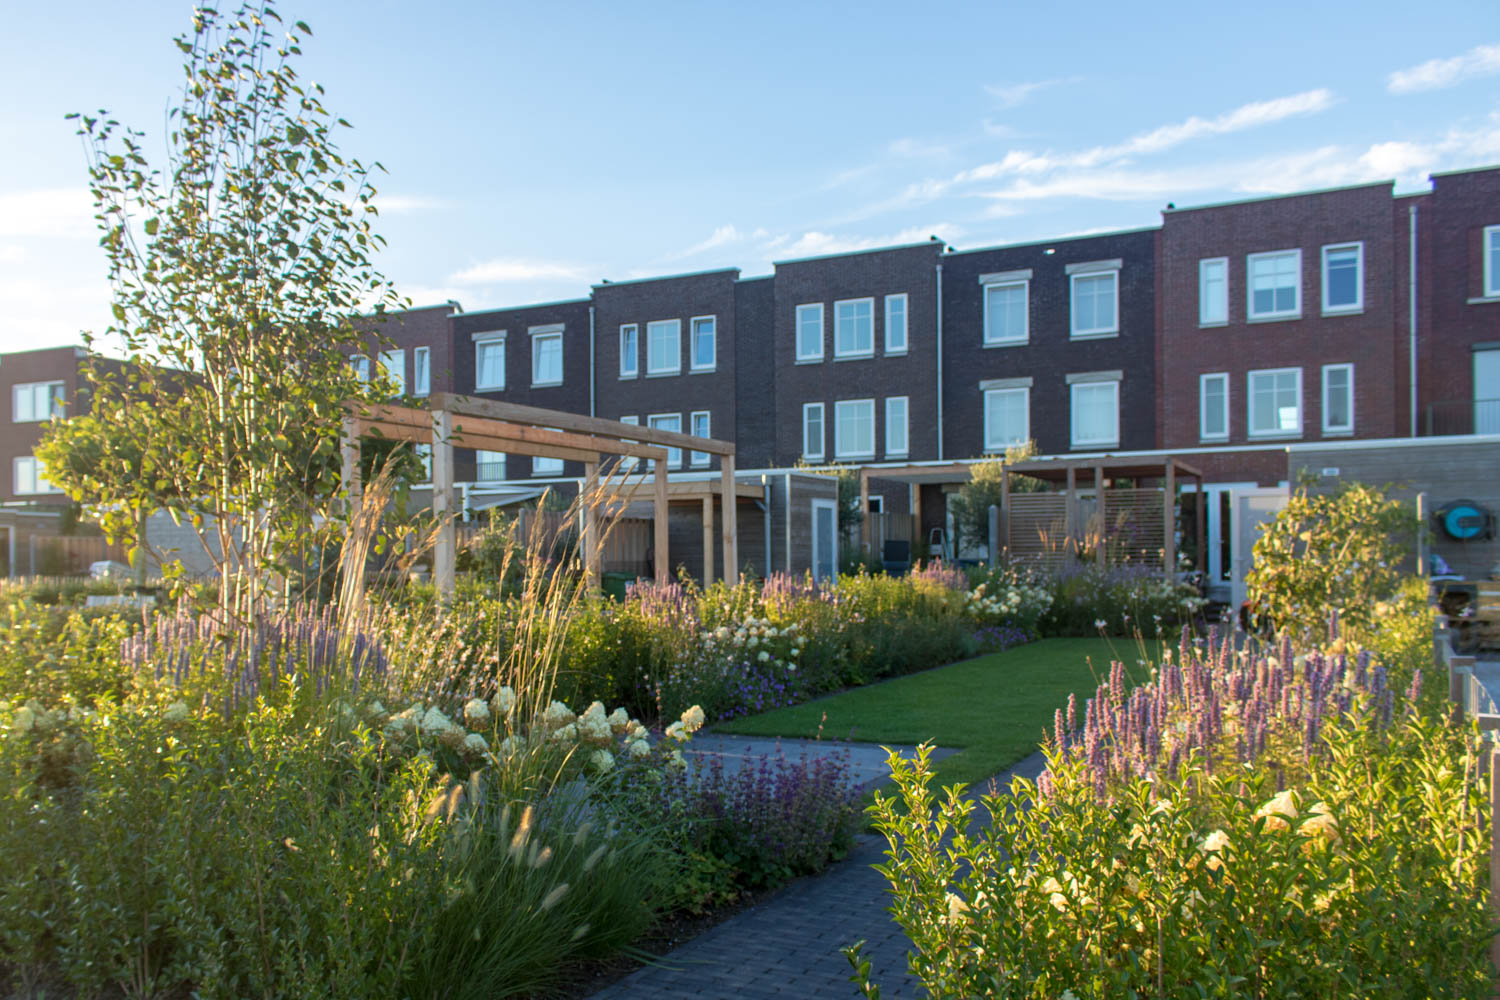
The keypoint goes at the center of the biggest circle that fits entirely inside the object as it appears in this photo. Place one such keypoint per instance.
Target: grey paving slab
(867, 761)
(789, 945)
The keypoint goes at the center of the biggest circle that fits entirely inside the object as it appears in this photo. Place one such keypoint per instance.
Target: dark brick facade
(875, 275)
(1366, 338)
(19, 438)
(755, 371)
(685, 389)
(1050, 352)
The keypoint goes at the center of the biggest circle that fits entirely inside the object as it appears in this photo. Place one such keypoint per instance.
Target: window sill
(868, 456)
(545, 385)
(1095, 445)
(1222, 439)
(810, 361)
(631, 377)
(489, 388)
(1212, 324)
(1279, 318)
(699, 465)
(812, 458)
(1483, 300)
(1276, 436)
(854, 357)
(709, 370)
(1094, 335)
(896, 354)
(896, 454)
(1345, 311)
(1006, 343)
(669, 374)
(1347, 432)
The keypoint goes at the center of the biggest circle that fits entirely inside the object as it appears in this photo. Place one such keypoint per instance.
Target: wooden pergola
(465, 421)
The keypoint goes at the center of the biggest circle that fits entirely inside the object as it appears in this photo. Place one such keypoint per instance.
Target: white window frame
(480, 461)
(1490, 251)
(997, 282)
(628, 462)
(1204, 319)
(808, 410)
(546, 335)
(1204, 433)
(810, 309)
(424, 455)
(361, 366)
(37, 484)
(421, 371)
(1090, 271)
(393, 367)
(1090, 382)
(489, 338)
(699, 459)
(898, 414)
(541, 465)
(854, 305)
(52, 391)
(1251, 316)
(674, 328)
(1335, 430)
(674, 455)
(631, 354)
(1358, 305)
(840, 450)
(892, 345)
(993, 392)
(1278, 432)
(697, 363)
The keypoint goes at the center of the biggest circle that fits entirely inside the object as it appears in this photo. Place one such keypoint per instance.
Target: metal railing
(1463, 416)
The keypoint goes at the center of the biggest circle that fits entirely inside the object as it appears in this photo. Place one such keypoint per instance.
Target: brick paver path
(788, 946)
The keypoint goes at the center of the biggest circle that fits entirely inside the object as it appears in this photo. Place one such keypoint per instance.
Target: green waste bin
(614, 584)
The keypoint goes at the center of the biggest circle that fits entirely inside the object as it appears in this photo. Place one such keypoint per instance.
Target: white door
(1249, 510)
(825, 540)
(1487, 392)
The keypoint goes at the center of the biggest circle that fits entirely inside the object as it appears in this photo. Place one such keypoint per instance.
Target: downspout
(1412, 321)
(765, 485)
(591, 361)
(940, 361)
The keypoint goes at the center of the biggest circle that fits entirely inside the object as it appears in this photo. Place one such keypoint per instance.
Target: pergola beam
(575, 423)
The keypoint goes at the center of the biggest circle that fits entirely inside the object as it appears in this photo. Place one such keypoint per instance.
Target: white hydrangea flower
(566, 734)
(477, 712)
(601, 761)
(510, 746)
(693, 719)
(638, 748)
(619, 721)
(676, 760)
(474, 743)
(593, 727)
(435, 722)
(763, 657)
(176, 712)
(504, 701)
(677, 731)
(557, 715)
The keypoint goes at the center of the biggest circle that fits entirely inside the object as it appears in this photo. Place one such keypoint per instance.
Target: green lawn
(995, 707)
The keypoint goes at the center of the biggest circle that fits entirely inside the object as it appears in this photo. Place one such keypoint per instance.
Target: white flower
(1214, 845)
(677, 731)
(692, 719)
(510, 746)
(436, 723)
(635, 731)
(958, 910)
(764, 656)
(677, 761)
(557, 714)
(638, 748)
(25, 719)
(619, 721)
(566, 734)
(504, 701)
(477, 712)
(602, 761)
(474, 743)
(176, 712)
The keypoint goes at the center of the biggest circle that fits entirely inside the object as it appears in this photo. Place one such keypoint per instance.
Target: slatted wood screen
(624, 548)
(1039, 526)
(1133, 526)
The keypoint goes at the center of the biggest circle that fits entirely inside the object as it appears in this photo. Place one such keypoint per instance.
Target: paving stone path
(788, 945)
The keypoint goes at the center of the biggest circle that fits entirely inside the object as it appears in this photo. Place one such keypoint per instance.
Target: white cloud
(511, 269)
(721, 236)
(65, 212)
(817, 244)
(1011, 94)
(1434, 74)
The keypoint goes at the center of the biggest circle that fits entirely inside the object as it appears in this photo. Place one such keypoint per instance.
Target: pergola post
(729, 512)
(1071, 528)
(1202, 539)
(659, 511)
(864, 510)
(1169, 524)
(349, 452)
(709, 539)
(1005, 507)
(445, 550)
(590, 496)
(1102, 554)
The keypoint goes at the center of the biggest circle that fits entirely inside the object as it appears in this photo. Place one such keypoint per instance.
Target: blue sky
(536, 149)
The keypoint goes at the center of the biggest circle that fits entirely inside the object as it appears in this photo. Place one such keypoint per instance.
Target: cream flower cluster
(1017, 602)
(757, 640)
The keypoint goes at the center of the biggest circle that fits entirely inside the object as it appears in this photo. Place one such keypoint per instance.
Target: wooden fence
(62, 555)
(625, 548)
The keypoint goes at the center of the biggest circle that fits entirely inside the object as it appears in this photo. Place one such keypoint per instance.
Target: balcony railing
(1463, 416)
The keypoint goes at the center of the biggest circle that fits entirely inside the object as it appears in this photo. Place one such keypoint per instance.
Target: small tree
(1341, 551)
(970, 506)
(237, 274)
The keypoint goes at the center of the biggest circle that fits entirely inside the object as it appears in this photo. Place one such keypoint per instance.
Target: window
(361, 366)
(424, 455)
(1274, 285)
(489, 361)
(630, 350)
(854, 328)
(895, 427)
(489, 466)
(1007, 417)
(812, 430)
(699, 423)
(1096, 298)
(547, 357)
(1213, 406)
(36, 401)
(1096, 412)
(895, 324)
(1492, 261)
(1213, 291)
(703, 343)
(627, 462)
(29, 479)
(664, 347)
(877, 504)
(854, 428)
(1007, 311)
(668, 422)
(421, 371)
(1275, 401)
(1338, 399)
(393, 369)
(1344, 278)
(542, 466)
(810, 332)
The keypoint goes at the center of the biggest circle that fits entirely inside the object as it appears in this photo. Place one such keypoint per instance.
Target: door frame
(1237, 576)
(833, 539)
